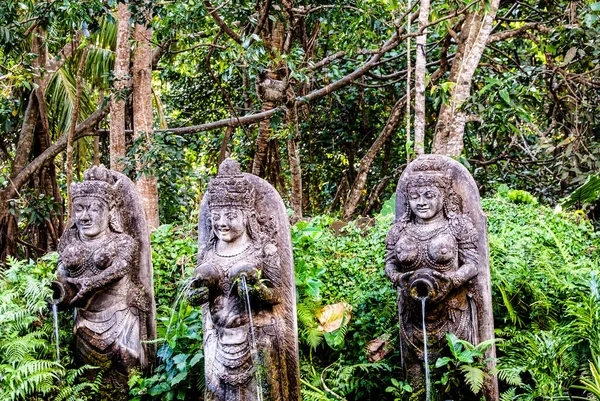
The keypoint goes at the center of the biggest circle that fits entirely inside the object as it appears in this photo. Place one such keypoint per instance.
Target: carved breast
(438, 250)
(407, 250)
(442, 249)
(103, 256)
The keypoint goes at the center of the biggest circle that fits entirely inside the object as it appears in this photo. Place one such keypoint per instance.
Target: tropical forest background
(328, 101)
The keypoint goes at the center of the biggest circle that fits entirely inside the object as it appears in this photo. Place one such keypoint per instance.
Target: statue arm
(391, 268)
(119, 267)
(63, 290)
(468, 255)
(266, 286)
(266, 294)
(391, 261)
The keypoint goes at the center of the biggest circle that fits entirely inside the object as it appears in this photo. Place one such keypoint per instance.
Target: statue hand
(197, 296)
(403, 280)
(83, 286)
(444, 286)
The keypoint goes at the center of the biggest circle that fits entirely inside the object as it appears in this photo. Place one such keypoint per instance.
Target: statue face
(91, 217)
(228, 224)
(425, 202)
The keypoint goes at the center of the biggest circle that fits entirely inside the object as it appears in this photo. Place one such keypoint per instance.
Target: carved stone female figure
(249, 354)
(105, 273)
(437, 250)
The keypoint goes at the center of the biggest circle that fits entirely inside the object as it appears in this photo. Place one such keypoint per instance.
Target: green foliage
(27, 361)
(179, 373)
(399, 389)
(467, 359)
(172, 160)
(589, 192)
(520, 196)
(174, 250)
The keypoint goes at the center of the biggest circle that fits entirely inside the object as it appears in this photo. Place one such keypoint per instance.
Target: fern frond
(474, 377)
(512, 376)
(509, 395)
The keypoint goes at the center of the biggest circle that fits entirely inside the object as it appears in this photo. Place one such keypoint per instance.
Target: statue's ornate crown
(230, 188)
(96, 183)
(430, 172)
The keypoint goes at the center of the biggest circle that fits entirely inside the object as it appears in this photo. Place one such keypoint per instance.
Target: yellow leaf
(331, 317)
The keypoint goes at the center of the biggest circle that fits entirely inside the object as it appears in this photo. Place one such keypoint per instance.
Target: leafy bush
(544, 266)
(179, 371)
(28, 365)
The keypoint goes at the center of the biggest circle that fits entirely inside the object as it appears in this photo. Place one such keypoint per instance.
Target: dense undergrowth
(544, 267)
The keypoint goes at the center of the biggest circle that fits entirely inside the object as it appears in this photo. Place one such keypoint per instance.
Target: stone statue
(250, 338)
(437, 249)
(105, 273)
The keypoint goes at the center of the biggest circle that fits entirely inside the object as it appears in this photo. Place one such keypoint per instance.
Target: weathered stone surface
(244, 231)
(437, 248)
(105, 273)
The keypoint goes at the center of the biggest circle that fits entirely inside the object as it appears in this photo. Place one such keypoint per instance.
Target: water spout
(425, 355)
(255, 359)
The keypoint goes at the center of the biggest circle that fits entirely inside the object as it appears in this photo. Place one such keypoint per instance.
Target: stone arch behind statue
(133, 220)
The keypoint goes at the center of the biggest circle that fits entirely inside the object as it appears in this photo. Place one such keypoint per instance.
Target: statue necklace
(424, 232)
(88, 250)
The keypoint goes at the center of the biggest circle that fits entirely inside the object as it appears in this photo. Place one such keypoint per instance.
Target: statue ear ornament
(114, 220)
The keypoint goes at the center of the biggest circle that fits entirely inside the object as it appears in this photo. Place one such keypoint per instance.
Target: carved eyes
(229, 216)
(428, 195)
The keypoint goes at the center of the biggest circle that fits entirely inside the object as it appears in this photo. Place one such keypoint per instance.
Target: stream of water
(55, 317)
(426, 357)
(255, 359)
(182, 292)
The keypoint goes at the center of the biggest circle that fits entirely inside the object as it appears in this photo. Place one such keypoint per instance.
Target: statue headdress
(230, 188)
(436, 172)
(430, 173)
(97, 183)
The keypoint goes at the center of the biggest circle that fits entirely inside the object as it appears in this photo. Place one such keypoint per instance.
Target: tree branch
(226, 28)
(55, 63)
(83, 129)
(517, 32)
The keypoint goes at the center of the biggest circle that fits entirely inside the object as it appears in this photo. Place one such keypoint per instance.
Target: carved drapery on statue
(437, 249)
(105, 273)
(244, 232)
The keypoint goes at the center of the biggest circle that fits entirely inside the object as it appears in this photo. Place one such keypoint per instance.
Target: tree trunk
(74, 119)
(142, 113)
(26, 136)
(356, 191)
(223, 152)
(262, 142)
(420, 74)
(450, 128)
(294, 160)
(118, 98)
